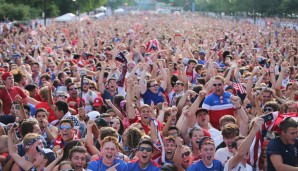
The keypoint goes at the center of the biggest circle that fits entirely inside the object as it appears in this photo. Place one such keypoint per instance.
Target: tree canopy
(30, 9)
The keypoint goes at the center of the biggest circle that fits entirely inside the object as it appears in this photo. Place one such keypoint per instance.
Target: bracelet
(238, 107)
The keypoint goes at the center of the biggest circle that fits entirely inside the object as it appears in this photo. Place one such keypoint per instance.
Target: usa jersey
(218, 106)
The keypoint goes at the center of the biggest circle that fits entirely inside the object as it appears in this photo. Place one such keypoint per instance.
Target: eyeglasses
(86, 83)
(149, 149)
(154, 85)
(65, 127)
(67, 170)
(72, 89)
(218, 85)
(186, 154)
(179, 84)
(62, 96)
(268, 109)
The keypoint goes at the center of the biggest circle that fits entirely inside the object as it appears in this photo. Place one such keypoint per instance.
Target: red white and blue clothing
(100, 166)
(158, 97)
(134, 165)
(218, 106)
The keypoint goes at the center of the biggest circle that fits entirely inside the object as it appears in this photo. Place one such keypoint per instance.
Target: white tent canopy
(66, 18)
(102, 8)
(119, 10)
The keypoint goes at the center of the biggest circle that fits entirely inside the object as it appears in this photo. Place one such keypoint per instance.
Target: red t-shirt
(8, 96)
(77, 100)
(145, 127)
(46, 106)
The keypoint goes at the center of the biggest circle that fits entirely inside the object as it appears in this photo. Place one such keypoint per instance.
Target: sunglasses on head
(206, 140)
(65, 127)
(219, 84)
(186, 154)
(148, 149)
(62, 96)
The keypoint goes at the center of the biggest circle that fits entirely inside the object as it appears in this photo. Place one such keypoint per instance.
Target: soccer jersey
(218, 106)
(100, 166)
(134, 165)
(199, 166)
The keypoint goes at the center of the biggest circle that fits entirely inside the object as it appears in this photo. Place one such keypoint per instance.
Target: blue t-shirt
(134, 165)
(100, 166)
(148, 96)
(199, 166)
(288, 153)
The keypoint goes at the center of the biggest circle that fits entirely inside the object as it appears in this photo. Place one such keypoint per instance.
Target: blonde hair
(4, 139)
(43, 92)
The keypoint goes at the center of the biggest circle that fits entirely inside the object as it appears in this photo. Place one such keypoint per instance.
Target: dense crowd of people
(149, 92)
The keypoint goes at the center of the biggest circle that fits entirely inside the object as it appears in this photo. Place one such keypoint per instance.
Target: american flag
(255, 148)
(152, 45)
(239, 87)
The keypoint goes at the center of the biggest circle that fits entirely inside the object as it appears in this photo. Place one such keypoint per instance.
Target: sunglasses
(267, 110)
(149, 149)
(62, 96)
(219, 84)
(86, 83)
(67, 170)
(179, 84)
(220, 71)
(65, 127)
(72, 89)
(186, 154)
(92, 87)
(154, 85)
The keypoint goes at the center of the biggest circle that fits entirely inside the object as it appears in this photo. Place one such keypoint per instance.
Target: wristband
(238, 107)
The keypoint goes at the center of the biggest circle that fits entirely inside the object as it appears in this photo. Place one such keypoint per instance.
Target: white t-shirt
(88, 104)
(223, 154)
(238, 167)
(213, 131)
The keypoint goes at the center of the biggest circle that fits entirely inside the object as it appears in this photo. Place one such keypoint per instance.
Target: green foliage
(14, 12)
(264, 7)
(28, 9)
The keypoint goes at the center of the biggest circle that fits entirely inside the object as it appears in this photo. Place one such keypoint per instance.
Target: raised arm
(242, 114)
(142, 82)
(92, 149)
(245, 145)
(178, 153)
(24, 164)
(228, 77)
(194, 107)
(129, 100)
(115, 109)
(250, 83)
(101, 86)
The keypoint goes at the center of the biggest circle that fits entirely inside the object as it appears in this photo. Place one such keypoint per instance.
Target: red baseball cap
(5, 75)
(97, 102)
